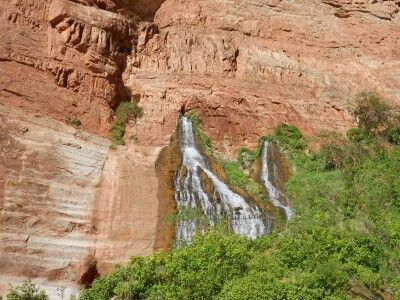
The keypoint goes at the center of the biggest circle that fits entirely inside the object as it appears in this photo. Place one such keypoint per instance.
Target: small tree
(26, 291)
(125, 112)
(371, 111)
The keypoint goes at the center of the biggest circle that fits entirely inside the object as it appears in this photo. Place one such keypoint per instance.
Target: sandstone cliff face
(69, 207)
(48, 177)
(66, 202)
(250, 65)
(62, 58)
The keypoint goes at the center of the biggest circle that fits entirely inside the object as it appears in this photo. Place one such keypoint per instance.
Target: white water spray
(244, 220)
(269, 175)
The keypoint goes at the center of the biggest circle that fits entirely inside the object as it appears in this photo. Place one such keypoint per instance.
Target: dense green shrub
(26, 291)
(370, 111)
(358, 135)
(246, 158)
(125, 111)
(290, 137)
(74, 121)
(345, 236)
(392, 133)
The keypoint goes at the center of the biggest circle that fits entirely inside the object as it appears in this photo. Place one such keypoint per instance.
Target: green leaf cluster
(26, 291)
(125, 111)
(343, 243)
(236, 176)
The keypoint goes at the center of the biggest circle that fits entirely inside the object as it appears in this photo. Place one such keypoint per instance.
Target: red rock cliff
(247, 65)
(250, 65)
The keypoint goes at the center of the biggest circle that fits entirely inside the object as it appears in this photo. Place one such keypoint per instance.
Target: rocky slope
(69, 206)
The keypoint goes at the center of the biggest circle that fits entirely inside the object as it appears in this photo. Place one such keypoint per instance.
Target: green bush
(331, 157)
(74, 121)
(125, 112)
(246, 158)
(197, 271)
(236, 176)
(370, 110)
(392, 134)
(26, 291)
(358, 135)
(345, 235)
(290, 137)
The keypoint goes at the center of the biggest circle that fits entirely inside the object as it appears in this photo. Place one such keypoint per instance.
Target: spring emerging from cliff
(223, 203)
(269, 176)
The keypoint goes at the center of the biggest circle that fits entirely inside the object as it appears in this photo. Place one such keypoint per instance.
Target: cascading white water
(277, 197)
(244, 220)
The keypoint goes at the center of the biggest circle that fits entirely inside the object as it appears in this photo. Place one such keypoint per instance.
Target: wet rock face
(250, 65)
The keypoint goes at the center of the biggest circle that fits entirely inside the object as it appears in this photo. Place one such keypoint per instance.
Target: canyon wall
(250, 65)
(69, 206)
(247, 65)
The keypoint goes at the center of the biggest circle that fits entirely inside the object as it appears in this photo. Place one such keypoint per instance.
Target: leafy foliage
(125, 112)
(247, 157)
(290, 137)
(26, 291)
(236, 176)
(370, 111)
(343, 241)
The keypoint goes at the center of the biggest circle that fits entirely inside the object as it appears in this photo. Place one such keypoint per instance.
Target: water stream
(270, 176)
(244, 219)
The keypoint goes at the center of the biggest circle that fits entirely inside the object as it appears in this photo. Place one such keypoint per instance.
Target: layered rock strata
(250, 65)
(70, 208)
(64, 59)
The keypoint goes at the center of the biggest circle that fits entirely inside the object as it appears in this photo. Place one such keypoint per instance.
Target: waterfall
(269, 177)
(243, 219)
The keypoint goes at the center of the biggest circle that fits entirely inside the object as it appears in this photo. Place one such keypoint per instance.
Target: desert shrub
(392, 133)
(358, 135)
(125, 112)
(370, 111)
(290, 137)
(74, 121)
(246, 158)
(331, 157)
(26, 291)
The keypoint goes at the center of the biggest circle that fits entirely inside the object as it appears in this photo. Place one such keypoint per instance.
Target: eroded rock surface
(49, 174)
(250, 65)
(70, 208)
(62, 58)
(246, 65)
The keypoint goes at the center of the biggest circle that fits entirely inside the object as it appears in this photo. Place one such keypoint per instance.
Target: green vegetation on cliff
(343, 243)
(125, 112)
